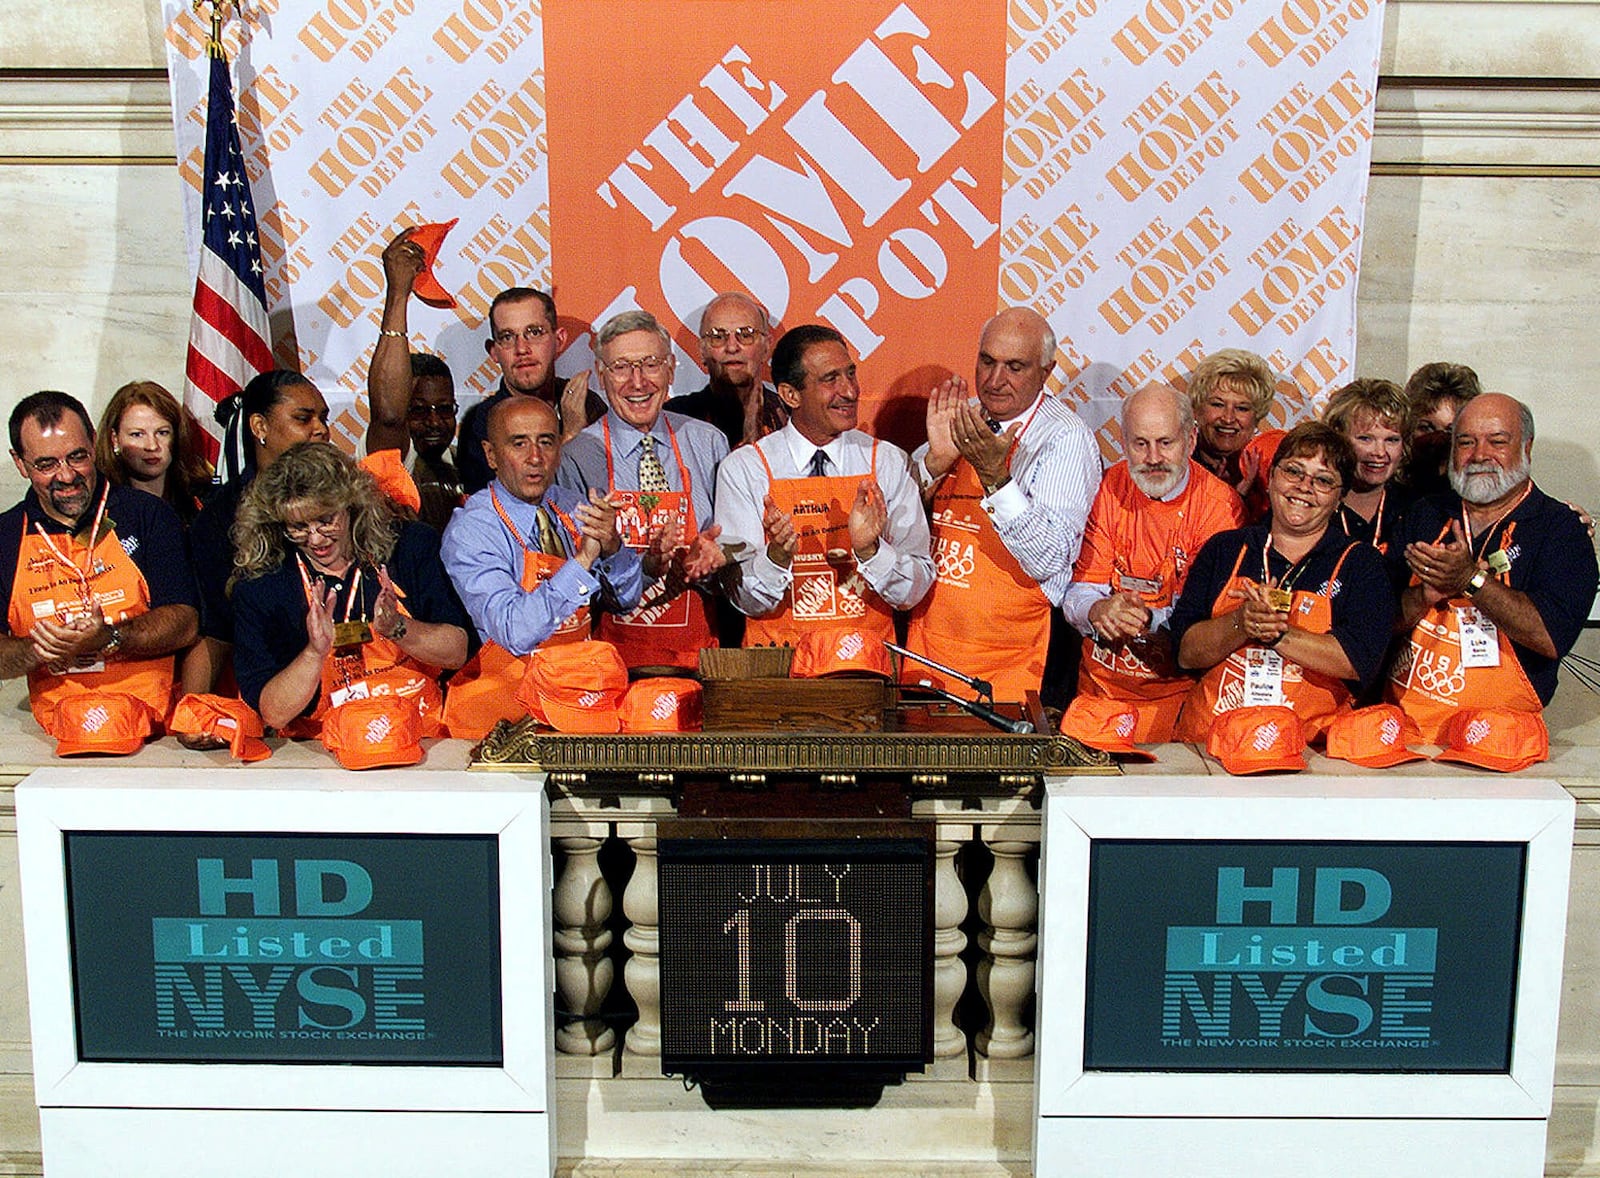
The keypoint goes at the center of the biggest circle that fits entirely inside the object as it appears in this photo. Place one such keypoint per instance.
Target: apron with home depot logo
(660, 631)
(484, 691)
(1457, 658)
(828, 591)
(64, 578)
(984, 617)
(1258, 675)
(1142, 673)
(363, 663)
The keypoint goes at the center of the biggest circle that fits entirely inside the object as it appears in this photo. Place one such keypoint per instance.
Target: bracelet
(395, 334)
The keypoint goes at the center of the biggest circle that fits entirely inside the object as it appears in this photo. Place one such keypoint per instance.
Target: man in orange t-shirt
(1153, 512)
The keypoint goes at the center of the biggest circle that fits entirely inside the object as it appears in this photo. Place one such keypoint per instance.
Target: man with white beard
(1498, 577)
(1153, 512)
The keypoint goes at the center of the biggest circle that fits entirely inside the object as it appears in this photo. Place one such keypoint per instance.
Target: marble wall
(1482, 225)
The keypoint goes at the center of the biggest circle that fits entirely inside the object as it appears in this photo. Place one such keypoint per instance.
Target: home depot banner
(1159, 181)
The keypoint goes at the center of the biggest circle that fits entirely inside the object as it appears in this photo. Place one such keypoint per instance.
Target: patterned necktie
(549, 541)
(652, 475)
(819, 465)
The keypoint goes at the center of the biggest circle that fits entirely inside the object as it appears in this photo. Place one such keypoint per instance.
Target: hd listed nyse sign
(315, 971)
(1237, 984)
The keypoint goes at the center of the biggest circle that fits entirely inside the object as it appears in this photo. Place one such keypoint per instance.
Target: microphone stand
(984, 711)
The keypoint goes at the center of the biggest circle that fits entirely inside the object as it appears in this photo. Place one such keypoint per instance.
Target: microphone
(986, 714)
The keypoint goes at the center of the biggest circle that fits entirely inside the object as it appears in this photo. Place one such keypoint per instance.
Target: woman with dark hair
(1373, 415)
(273, 412)
(1289, 611)
(144, 442)
(335, 597)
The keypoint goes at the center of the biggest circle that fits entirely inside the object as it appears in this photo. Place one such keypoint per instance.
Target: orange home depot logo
(1300, 269)
(1307, 29)
(1169, 269)
(1311, 135)
(856, 183)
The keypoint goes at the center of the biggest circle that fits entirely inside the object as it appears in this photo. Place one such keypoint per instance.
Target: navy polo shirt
(146, 525)
(269, 611)
(1363, 603)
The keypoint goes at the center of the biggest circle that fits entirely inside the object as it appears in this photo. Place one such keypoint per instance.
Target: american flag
(228, 335)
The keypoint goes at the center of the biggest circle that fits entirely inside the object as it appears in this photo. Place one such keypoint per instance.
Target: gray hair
(625, 321)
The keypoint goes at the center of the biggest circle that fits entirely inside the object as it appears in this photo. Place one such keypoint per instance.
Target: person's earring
(261, 439)
(116, 451)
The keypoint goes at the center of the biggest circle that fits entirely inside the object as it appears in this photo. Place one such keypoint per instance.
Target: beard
(1155, 480)
(1484, 482)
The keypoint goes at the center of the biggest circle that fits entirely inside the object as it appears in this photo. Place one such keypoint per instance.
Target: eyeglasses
(78, 460)
(718, 337)
(1324, 484)
(530, 334)
(423, 412)
(327, 527)
(650, 366)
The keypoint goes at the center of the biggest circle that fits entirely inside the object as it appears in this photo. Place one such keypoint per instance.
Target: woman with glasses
(336, 598)
(144, 442)
(1373, 415)
(1289, 611)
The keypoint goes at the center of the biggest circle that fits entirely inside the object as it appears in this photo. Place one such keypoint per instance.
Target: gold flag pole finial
(219, 13)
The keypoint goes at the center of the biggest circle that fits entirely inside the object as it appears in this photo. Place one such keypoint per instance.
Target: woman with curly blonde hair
(1374, 416)
(144, 442)
(335, 597)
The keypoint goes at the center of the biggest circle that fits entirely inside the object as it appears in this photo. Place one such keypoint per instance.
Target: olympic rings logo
(954, 561)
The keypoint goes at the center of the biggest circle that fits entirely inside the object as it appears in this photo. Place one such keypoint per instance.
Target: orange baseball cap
(1374, 736)
(661, 705)
(1104, 724)
(832, 652)
(1495, 738)
(111, 723)
(575, 686)
(1258, 740)
(388, 469)
(227, 719)
(430, 237)
(373, 732)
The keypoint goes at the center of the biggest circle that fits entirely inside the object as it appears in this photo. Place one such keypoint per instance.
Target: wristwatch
(1477, 581)
(115, 642)
(399, 631)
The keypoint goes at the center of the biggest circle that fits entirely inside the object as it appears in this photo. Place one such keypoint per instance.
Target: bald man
(735, 345)
(1008, 477)
(1153, 511)
(530, 560)
(1498, 577)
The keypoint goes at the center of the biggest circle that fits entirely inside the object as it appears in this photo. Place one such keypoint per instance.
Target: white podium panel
(1232, 967)
(311, 972)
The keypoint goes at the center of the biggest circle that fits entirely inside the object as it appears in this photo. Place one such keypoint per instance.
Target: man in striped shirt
(1008, 478)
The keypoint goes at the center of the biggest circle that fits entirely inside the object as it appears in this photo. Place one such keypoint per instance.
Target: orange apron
(978, 583)
(59, 577)
(1429, 679)
(656, 633)
(1315, 697)
(484, 691)
(374, 667)
(828, 591)
(1143, 674)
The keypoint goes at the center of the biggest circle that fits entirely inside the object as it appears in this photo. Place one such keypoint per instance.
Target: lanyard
(566, 522)
(1290, 577)
(1488, 533)
(351, 598)
(81, 575)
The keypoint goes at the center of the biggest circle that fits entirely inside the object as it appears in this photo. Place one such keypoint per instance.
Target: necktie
(819, 465)
(549, 541)
(652, 475)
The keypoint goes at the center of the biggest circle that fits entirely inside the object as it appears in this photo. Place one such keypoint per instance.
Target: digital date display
(795, 950)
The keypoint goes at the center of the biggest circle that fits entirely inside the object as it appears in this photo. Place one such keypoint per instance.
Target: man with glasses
(660, 469)
(735, 343)
(523, 342)
(101, 596)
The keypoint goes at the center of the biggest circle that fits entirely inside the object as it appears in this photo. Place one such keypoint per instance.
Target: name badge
(347, 634)
(1263, 677)
(1480, 639)
(1281, 600)
(1141, 584)
(356, 690)
(1499, 562)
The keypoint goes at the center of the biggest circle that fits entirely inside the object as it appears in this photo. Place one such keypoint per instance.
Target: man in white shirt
(1009, 477)
(823, 523)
